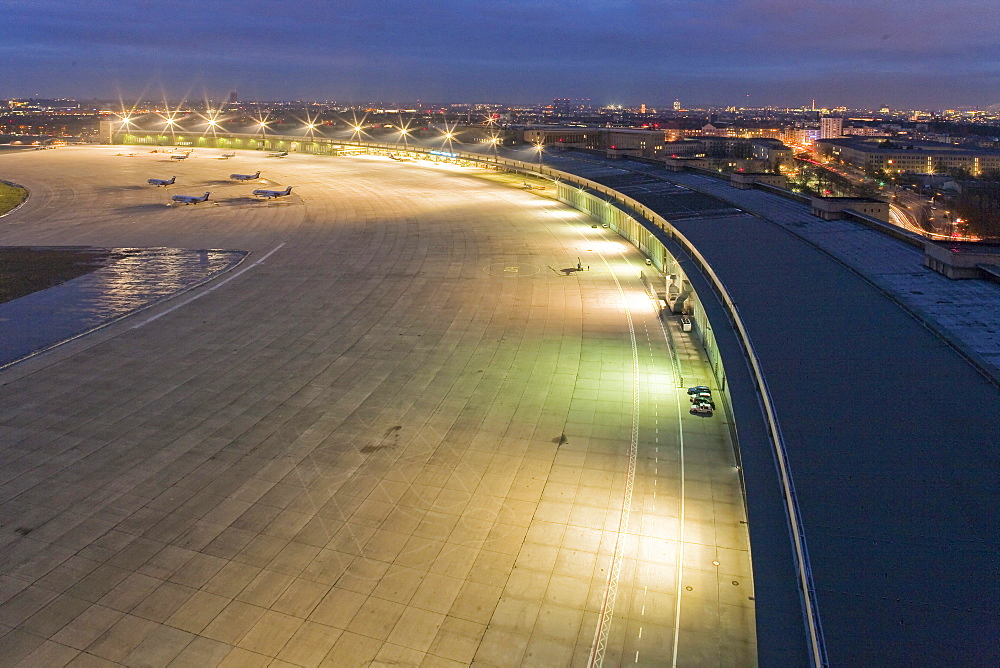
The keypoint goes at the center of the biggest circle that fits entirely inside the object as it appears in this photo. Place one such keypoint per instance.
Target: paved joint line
(680, 532)
(607, 609)
(211, 289)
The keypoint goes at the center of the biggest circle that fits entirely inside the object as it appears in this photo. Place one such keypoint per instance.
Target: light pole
(495, 140)
(170, 126)
(262, 126)
(404, 132)
(539, 147)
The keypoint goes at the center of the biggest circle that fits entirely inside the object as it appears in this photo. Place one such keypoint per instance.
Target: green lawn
(10, 196)
(27, 270)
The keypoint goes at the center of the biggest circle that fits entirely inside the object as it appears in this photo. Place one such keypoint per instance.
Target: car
(701, 409)
(698, 389)
(702, 399)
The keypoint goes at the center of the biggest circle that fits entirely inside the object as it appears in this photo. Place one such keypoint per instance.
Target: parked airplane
(268, 194)
(161, 182)
(227, 156)
(245, 177)
(278, 154)
(179, 156)
(190, 199)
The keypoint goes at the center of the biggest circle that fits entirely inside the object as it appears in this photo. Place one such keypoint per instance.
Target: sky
(926, 54)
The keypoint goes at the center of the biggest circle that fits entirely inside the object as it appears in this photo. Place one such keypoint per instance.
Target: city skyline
(753, 53)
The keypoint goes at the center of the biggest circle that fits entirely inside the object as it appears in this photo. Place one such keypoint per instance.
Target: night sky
(904, 53)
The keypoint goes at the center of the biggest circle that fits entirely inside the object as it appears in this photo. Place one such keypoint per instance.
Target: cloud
(540, 48)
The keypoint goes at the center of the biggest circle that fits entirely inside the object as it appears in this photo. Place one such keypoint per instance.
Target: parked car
(702, 399)
(698, 389)
(701, 409)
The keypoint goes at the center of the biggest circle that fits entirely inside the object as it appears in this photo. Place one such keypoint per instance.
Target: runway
(404, 431)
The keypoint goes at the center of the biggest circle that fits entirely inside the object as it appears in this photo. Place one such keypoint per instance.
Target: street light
(404, 132)
(170, 125)
(539, 147)
(494, 140)
(212, 124)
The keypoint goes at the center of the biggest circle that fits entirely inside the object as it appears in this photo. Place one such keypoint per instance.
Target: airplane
(161, 182)
(245, 177)
(179, 156)
(278, 154)
(268, 194)
(190, 199)
(227, 156)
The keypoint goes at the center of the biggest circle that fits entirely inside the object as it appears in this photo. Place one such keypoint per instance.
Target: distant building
(831, 126)
(562, 105)
(233, 97)
(866, 131)
(800, 136)
(619, 142)
(677, 105)
(909, 157)
(771, 151)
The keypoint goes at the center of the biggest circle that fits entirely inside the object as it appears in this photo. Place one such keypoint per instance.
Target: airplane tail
(288, 190)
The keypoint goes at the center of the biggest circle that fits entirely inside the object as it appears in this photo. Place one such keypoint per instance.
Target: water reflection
(132, 279)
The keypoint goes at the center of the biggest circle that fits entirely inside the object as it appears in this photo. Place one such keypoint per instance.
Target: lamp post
(494, 140)
(539, 147)
(262, 126)
(404, 132)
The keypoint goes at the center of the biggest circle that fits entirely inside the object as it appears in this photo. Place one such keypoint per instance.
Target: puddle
(132, 279)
